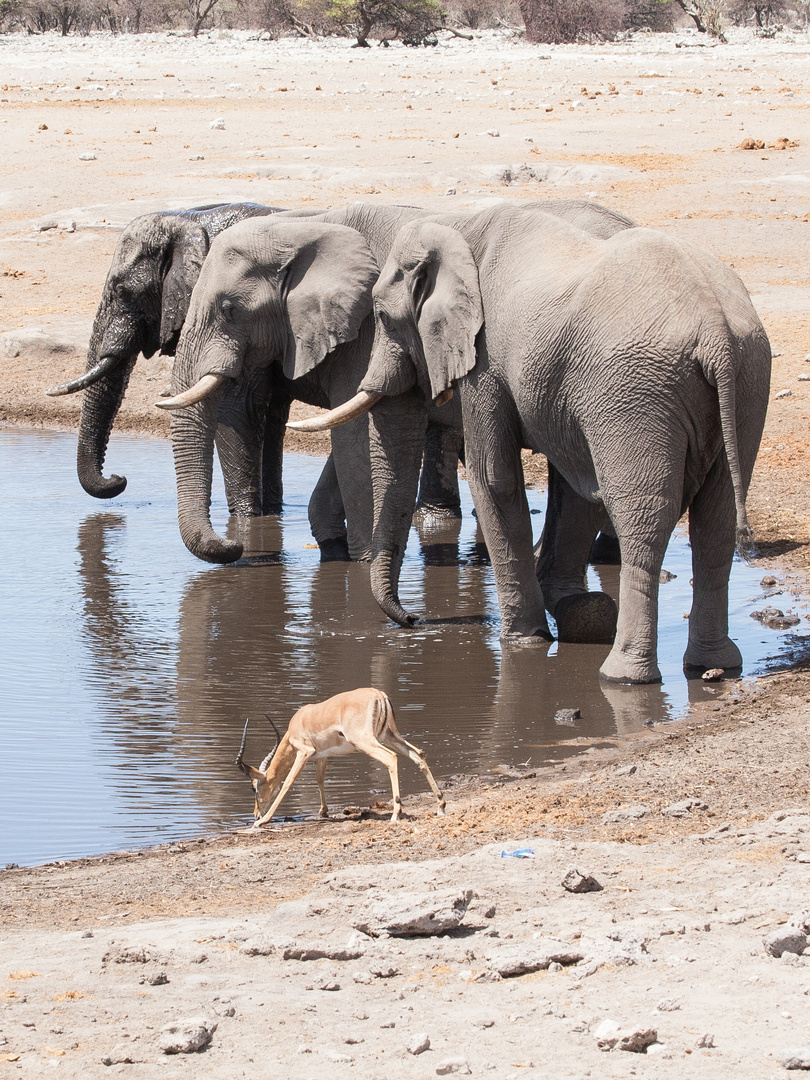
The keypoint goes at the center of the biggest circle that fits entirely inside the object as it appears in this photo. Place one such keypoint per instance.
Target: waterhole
(128, 667)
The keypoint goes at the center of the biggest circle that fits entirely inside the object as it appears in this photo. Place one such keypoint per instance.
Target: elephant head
(145, 299)
(287, 292)
(427, 305)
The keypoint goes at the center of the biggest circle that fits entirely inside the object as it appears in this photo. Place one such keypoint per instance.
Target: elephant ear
(446, 296)
(186, 250)
(328, 278)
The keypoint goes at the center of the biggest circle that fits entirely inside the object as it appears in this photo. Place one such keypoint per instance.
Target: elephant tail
(725, 380)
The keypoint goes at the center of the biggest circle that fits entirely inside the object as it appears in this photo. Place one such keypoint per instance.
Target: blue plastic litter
(520, 853)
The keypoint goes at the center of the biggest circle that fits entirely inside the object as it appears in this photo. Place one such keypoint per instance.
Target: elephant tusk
(350, 410)
(105, 364)
(207, 385)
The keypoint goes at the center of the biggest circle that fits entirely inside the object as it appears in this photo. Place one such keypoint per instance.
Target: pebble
(705, 1042)
(187, 1036)
(785, 940)
(495, 134)
(797, 1059)
(338, 1058)
(627, 770)
(625, 813)
(577, 882)
(666, 576)
(218, 124)
(87, 157)
(783, 394)
(566, 717)
(453, 1065)
(768, 582)
(668, 1005)
(684, 808)
(713, 674)
(418, 1043)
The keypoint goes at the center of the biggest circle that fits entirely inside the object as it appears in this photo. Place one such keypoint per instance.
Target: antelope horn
(350, 410)
(105, 364)
(272, 753)
(239, 763)
(207, 385)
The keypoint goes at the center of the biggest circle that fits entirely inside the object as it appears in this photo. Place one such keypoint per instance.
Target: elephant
(636, 364)
(156, 262)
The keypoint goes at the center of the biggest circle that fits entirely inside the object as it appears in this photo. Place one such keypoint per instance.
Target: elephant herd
(633, 361)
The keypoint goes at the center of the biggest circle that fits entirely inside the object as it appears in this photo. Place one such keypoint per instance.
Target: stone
(364, 978)
(668, 1005)
(329, 984)
(218, 124)
(797, 1059)
(566, 717)
(768, 582)
(416, 914)
(119, 1055)
(453, 1065)
(625, 813)
(132, 954)
(577, 882)
(637, 1040)
(781, 622)
(383, 971)
(665, 576)
(783, 394)
(418, 1043)
(258, 947)
(338, 1058)
(713, 674)
(157, 978)
(704, 1042)
(785, 939)
(324, 950)
(87, 157)
(627, 770)
(187, 1036)
(684, 808)
(34, 344)
(513, 960)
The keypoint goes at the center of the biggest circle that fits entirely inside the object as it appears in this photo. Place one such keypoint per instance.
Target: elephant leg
(562, 557)
(239, 437)
(495, 473)
(644, 525)
(327, 519)
(278, 413)
(605, 550)
(438, 482)
(712, 520)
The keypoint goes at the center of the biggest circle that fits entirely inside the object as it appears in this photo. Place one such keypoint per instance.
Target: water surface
(128, 667)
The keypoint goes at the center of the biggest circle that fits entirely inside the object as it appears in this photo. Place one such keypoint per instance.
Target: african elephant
(639, 367)
(157, 261)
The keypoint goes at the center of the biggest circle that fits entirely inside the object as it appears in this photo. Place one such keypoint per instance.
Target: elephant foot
(335, 550)
(428, 516)
(623, 667)
(541, 634)
(272, 509)
(586, 618)
(723, 654)
(605, 551)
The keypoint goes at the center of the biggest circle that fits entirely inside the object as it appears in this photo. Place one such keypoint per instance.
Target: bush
(555, 21)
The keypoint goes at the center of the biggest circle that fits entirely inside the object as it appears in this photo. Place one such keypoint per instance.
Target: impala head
(263, 780)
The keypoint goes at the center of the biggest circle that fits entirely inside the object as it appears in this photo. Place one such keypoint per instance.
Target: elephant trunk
(396, 441)
(102, 400)
(193, 442)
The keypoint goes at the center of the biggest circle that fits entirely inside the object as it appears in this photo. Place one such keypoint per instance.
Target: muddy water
(127, 667)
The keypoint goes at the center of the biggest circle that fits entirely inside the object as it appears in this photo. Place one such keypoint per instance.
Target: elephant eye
(384, 318)
(124, 293)
(228, 309)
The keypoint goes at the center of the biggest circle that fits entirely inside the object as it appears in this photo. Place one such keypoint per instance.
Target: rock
(258, 947)
(684, 808)
(797, 1059)
(785, 940)
(495, 134)
(751, 144)
(364, 978)
(713, 674)
(383, 971)
(325, 951)
(453, 1065)
(626, 813)
(130, 954)
(187, 1036)
(218, 124)
(637, 1040)
(87, 157)
(668, 1005)
(566, 717)
(416, 914)
(768, 582)
(119, 1055)
(418, 1043)
(666, 576)
(577, 882)
(450, 191)
(157, 978)
(627, 770)
(512, 960)
(329, 984)
(606, 1034)
(704, 1042)
(781, 622)
(338, 1058)
(783, 394)
(34, 344)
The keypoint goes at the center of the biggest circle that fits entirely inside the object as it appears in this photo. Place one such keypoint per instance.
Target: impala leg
(320, 776)
(417, 756)
(292, 775)
(389, 759)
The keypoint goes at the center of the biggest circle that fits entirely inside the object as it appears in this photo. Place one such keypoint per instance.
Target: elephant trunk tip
(206, 545)
(104, 487)
(394, 610)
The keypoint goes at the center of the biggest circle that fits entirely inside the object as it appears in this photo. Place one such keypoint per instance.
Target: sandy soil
(651, 127)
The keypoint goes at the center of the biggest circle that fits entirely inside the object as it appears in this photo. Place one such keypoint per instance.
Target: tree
(556, 21)
(412, 20)
(199, 10)
(707, 15)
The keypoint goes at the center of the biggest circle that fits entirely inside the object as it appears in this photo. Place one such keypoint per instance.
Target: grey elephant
(637, 364)
(144, 301)
(276, 294)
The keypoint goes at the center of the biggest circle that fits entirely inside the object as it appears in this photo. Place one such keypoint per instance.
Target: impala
(356, 720)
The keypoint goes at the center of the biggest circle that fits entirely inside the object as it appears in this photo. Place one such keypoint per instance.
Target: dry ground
(652, 128)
